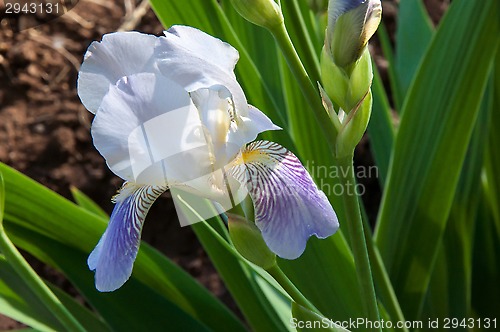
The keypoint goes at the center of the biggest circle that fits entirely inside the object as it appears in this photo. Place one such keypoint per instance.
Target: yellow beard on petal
(248, 156)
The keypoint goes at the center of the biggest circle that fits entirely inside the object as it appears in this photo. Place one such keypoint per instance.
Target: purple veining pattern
(114, 255)
(289, 208)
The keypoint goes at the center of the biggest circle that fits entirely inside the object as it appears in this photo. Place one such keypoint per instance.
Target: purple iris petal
(289, 208)
(114, 256)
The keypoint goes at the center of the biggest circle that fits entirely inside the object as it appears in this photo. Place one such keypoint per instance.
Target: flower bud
(346, 90)
(351, 23)
(265, 13)
(353, 127)
(248, 241)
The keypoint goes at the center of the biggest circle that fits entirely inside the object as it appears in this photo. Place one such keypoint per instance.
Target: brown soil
(44, 129)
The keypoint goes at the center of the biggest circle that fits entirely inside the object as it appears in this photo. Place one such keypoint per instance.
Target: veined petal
(118, 54)
(150, 133)
(289, 208)
(114, 256)
(197, 60)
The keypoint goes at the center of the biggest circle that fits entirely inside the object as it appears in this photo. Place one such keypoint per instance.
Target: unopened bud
(265, 13)
(351, 23)
(248, 241)
(353, 127)
(346, 90)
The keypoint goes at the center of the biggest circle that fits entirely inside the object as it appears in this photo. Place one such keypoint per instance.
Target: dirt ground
(44, 129)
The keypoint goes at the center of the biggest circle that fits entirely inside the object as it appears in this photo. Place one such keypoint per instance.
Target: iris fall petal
(114, 256)
(289, 208)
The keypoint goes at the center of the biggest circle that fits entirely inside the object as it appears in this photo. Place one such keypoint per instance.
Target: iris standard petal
(213, 50)
(197, 60)
(248, 128)
(114, 256)
(149, 131)
(255, 123)
(289, 208)
(118, 54)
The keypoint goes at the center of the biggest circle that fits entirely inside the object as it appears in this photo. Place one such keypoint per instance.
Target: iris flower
(169, 113)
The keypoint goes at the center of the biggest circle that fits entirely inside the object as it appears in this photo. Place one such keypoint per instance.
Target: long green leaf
(36, 208)
(160, 311)
(492, 162)
(85, 202)
(485, 286)
(2, 197)
(301, 31)
(413, 36)
(241, 281)
(20, 303)
(485, 271)
(238, 277)
(380, 128)
(439, 114)
(449, 292)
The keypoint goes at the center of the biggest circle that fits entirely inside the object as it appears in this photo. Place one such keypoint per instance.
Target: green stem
(381, 278)
(304, 39)
(308, 88)
(290, 288)
(36, 284)
(357, 237)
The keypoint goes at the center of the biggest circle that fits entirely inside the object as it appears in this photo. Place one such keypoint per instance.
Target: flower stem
(290, 288)
(308, 88)
(36, 284)
(357, 237)
(381, 279)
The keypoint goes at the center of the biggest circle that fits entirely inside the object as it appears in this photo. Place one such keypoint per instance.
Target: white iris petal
(170, 114)
(119, 54)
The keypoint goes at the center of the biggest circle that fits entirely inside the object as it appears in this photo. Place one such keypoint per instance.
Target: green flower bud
(265, 13)
(248, 241)
(351, 23)
(353, 127)
(345, 89)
